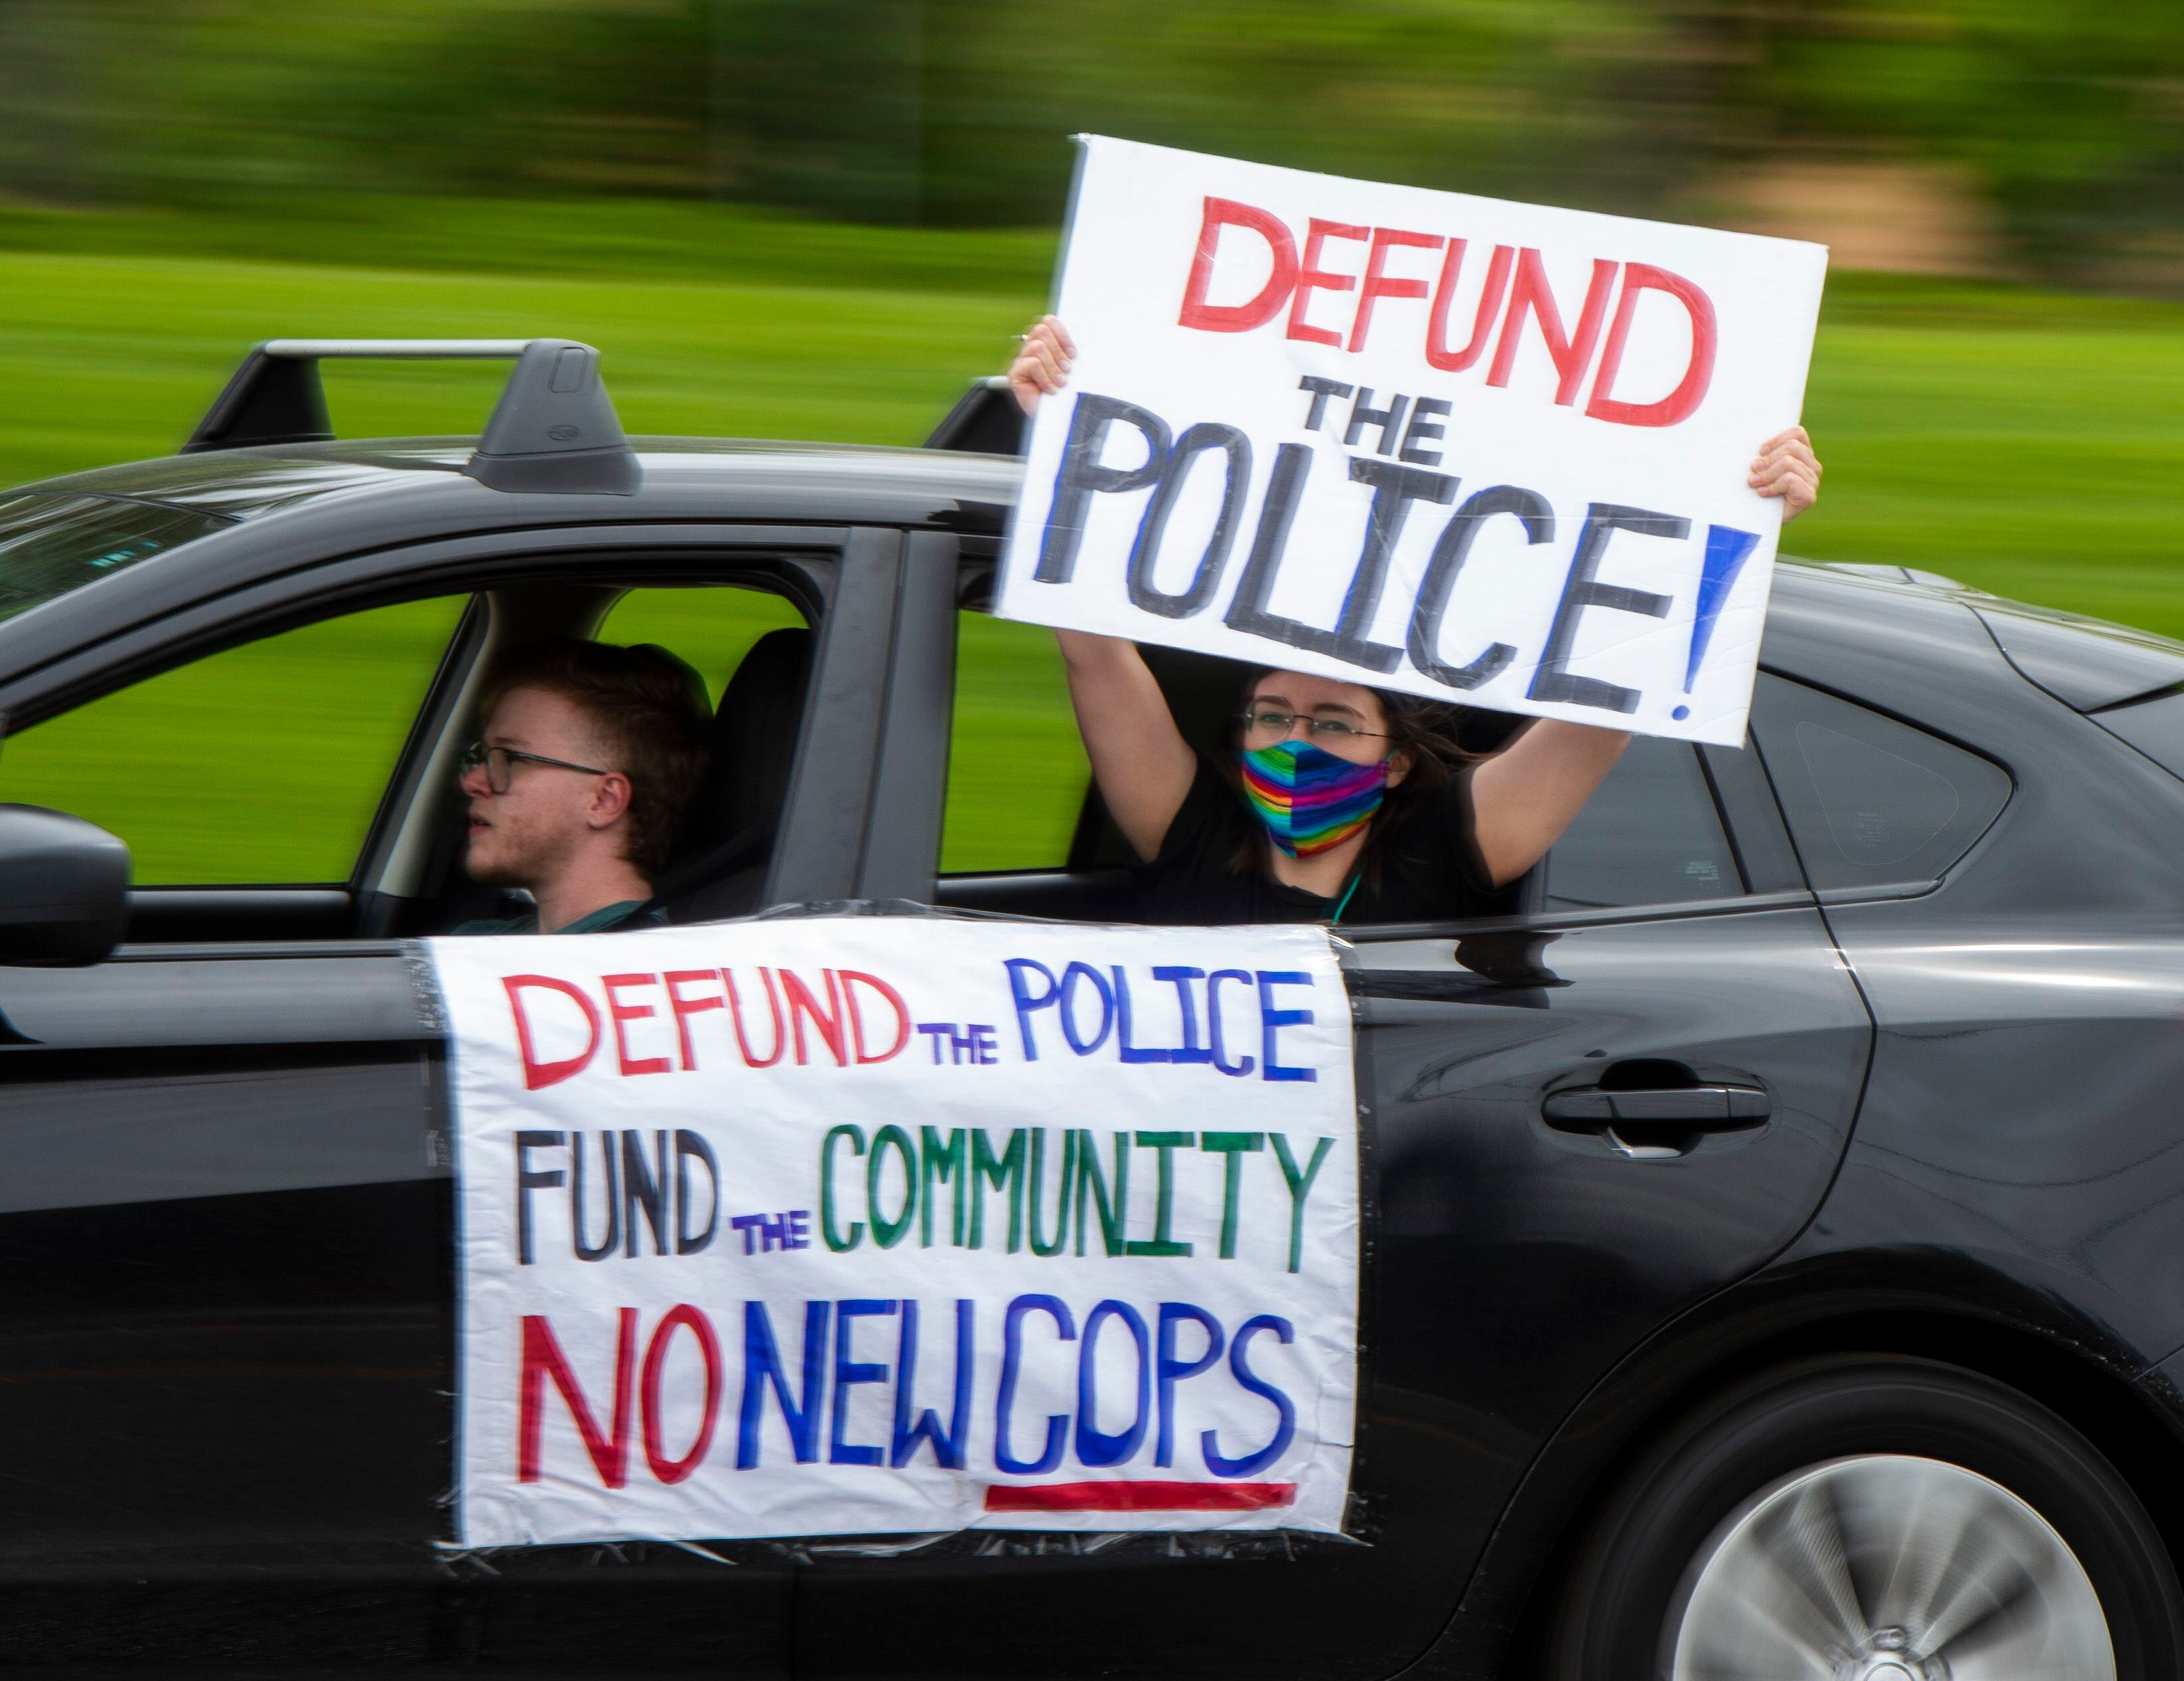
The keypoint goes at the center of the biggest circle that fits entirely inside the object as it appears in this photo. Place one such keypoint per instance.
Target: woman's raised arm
(1527, 794)
(1140, 759)
(1144, 767)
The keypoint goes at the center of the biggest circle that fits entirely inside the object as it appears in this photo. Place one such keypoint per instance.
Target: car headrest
(754, 742)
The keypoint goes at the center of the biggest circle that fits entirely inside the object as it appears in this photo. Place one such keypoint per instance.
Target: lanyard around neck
(1347, 894)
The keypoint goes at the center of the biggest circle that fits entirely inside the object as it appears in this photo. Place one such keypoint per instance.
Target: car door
(1586, 1120)
(224, 1321)
(2002, 873)
(1579, 1121)
(227, 1224)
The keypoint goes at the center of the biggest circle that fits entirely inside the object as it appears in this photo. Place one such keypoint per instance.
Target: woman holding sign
(1342, 802)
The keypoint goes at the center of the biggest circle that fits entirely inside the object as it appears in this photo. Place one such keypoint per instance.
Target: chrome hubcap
(1885, 1568)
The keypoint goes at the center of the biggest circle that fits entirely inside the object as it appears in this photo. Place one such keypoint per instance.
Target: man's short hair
(650, 709)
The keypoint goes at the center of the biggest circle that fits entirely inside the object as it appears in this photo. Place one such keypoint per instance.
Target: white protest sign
(1484, 452)
(874, 1225)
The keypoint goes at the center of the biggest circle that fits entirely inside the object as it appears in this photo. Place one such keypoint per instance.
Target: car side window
(710, 627)
(1649, 835)
(261, 765)
(1016, 770)
(1870, 801)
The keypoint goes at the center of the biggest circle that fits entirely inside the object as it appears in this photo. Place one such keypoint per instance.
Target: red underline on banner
(1138, 1496)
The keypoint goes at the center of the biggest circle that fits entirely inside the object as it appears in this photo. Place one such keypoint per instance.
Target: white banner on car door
(874, 1225)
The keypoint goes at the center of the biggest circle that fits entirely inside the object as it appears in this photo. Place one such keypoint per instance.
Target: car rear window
(1871, 801)
(50, 545)
(2155, 727)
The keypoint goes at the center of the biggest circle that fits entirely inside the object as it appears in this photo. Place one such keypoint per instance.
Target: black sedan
(1775, 1213)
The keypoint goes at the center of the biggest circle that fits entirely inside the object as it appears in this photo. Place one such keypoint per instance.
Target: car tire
(1879, 1513)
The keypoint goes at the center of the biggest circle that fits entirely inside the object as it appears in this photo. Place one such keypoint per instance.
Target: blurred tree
(956, 112)
(1585, 102)
(192, 99)
(818, 104)
(2072, 119)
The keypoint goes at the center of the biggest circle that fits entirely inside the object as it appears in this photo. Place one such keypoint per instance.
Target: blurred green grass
(2030, 444)
(607, 238)
(263, 764)
(114, 358)
(2025, 442)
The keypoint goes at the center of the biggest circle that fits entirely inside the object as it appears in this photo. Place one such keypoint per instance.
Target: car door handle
(1711, 1108)
(1655, 1123)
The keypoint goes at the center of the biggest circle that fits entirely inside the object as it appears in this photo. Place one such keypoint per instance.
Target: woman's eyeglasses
(1279, 724)
(500, 763)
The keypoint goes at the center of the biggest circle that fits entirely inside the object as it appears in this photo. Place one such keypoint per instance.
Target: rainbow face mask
(1308, 798)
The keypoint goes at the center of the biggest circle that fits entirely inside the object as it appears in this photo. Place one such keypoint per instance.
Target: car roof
(2087, 664)
(2084, 662)
(252, 484)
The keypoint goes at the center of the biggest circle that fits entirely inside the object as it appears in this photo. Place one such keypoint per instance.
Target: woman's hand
(1042, 363)
(1787, 468)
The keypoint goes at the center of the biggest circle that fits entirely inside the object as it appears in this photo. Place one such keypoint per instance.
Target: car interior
(302, 787)
(759, 682)
(1097, 880)
(1652, 833)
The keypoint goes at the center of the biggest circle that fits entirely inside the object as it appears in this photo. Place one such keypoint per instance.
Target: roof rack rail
(554, 429)
(987, 420)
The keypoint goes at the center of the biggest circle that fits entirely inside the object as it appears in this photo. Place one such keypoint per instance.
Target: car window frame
(806, 564)
(1087, 814)
(1909, 886)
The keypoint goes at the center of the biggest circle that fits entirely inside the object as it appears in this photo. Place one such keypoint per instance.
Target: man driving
(590, 758)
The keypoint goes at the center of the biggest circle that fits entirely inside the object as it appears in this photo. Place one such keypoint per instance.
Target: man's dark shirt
(605, 919)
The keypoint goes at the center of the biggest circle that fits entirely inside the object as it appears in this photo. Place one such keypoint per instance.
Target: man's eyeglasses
(500, 763)
(1279, 724)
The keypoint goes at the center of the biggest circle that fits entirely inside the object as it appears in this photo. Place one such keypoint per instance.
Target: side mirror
(64, 888)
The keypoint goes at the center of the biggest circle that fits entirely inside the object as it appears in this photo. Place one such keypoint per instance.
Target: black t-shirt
(1429, 869)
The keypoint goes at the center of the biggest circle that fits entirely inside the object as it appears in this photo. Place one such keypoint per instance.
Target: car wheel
(1870, 1519)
